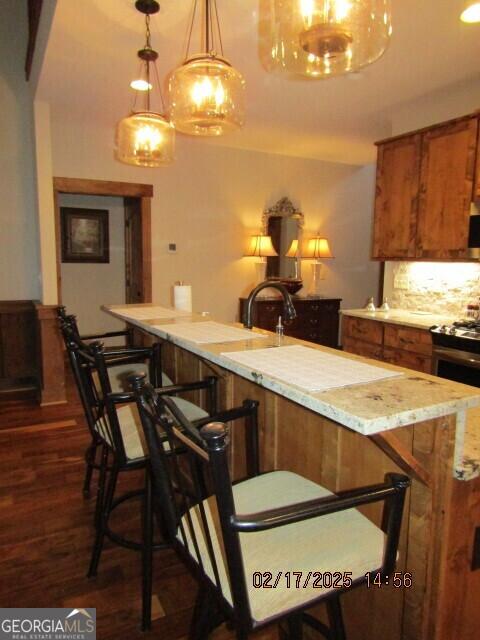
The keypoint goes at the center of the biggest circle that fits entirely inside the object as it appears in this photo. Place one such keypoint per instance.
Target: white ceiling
(91, 58)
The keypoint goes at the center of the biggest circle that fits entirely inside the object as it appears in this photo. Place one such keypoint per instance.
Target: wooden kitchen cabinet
(317, 318)
(446, 190)
(398, 344)
(425, 184)
(396, 198)
(363, 337)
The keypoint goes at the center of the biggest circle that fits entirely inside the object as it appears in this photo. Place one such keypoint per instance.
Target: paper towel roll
(182, 297)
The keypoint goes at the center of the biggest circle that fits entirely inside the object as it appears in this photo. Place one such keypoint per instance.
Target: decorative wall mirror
(284, 224)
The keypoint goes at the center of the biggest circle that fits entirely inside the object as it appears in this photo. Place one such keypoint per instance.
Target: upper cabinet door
(396, 198)
(446, 190)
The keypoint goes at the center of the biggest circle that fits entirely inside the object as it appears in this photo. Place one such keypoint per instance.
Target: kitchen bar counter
(365, 408)
(350, 437)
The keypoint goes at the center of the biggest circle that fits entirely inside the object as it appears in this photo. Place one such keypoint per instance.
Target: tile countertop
(416, 319)
(365, 408)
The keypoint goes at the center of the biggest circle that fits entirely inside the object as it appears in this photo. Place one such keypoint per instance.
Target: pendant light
(471, 13)
(323, 38)
(145, 138)
(206, 94)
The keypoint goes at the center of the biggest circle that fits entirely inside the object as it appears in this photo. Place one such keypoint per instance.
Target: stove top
(462, 328)
(463, 334)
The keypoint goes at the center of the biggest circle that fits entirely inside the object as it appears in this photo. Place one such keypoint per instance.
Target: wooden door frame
(81, 186)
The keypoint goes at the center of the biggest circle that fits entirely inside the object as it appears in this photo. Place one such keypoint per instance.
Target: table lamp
(316, 249)
(260, 247)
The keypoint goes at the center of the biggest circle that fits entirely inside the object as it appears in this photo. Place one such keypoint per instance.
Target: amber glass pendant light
(206, 94)
(323, 38)
(145, 138)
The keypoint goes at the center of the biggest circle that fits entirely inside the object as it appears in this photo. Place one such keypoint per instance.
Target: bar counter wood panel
(434, 549)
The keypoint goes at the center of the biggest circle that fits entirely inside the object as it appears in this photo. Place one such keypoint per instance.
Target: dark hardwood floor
(46, 531)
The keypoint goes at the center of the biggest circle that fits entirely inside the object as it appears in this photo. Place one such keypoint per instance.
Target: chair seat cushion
(118, 376)
(118, 381)
(131, 431)
(337, 543)
(131, 427)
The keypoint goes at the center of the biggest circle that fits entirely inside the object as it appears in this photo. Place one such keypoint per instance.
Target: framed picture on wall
(84, 235)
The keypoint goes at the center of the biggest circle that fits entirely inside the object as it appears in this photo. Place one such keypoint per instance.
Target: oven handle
(450, 356)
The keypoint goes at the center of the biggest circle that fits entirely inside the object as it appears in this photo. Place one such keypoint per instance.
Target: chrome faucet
(289, 312)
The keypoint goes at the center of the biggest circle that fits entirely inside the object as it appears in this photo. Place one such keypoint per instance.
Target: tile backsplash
(438, 287)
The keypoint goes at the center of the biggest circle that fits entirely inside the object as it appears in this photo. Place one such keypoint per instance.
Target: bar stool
(121, 361)
(116, 421)
(268, 531)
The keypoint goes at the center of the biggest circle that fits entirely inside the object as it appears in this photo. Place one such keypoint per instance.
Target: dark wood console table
(316, 321)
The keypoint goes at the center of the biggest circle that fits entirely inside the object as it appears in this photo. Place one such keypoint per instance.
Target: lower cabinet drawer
(408, 339)
(407, 359)
(361, 348)
(367, 330)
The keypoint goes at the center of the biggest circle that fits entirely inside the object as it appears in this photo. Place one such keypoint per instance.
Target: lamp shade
(293, 251)
(323, 38)
(317, 248)
(260, 247)
(145, 139)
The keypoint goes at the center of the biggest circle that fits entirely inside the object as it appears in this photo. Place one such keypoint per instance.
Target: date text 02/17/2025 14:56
(327, 580)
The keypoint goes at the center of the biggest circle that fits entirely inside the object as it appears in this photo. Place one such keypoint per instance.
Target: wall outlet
(172, 247)
(401, 281)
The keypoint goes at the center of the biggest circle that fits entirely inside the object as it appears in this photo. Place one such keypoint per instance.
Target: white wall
(19, 269)
(85, 287)
(451, 102)
(212, 198)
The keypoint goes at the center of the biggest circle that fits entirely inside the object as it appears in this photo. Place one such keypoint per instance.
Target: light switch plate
(401, 281)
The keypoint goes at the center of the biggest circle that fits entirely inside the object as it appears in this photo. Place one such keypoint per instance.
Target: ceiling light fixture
(141, 85)
(471, 13)
(206, 94)
(146, 138)
(323, 38)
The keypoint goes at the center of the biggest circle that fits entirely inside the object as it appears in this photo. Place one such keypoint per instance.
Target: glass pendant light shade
(145, 139)
(323, 38)
(206, 96)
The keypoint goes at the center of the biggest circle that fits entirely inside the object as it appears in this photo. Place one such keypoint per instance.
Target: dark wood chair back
(90, 369)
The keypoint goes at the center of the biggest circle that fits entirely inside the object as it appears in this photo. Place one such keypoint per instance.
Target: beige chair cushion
(131, 427)
(118, 376)
(118, 380)
(341, 542)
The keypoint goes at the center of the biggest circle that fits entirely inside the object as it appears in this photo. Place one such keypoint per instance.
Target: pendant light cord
(192, 22)
(148, 45)
(218, 26)
(211, 15)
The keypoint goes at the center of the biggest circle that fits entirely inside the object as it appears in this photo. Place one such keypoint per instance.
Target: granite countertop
(416, 319)
(366, 408)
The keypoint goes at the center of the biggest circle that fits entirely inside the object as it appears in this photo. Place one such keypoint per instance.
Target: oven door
(460, 366)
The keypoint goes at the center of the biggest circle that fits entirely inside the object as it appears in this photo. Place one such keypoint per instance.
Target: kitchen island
(351, 436)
